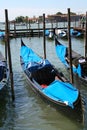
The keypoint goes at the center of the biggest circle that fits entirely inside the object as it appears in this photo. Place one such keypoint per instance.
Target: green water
(29, 111)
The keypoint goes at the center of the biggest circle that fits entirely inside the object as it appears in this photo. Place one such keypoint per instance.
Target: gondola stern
(22, 43)
(56, 40)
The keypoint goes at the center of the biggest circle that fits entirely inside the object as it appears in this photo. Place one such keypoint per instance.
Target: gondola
(49, 83)
(49, 34)
(4, 74)
(2, 34)
(79, 63)
(76, 33)
(61, 33)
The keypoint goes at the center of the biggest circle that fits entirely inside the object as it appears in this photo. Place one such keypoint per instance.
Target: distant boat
(79, 63)
(2, 34)
(49, 34)
(61, 33)
(75, 33)
(47, 81)
(4, 74)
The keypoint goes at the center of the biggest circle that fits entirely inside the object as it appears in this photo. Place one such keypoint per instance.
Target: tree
(19, 19)
(72, 13)
(26, 19)
(59, 13)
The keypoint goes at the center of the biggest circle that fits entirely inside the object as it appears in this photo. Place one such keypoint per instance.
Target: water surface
(29, 111)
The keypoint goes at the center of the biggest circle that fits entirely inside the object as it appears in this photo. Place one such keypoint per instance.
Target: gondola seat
(43, 75)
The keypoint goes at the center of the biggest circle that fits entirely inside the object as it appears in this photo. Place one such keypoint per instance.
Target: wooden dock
(36, 32)
(28, 32)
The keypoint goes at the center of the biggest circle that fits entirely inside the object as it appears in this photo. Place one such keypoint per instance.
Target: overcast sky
(38, 7)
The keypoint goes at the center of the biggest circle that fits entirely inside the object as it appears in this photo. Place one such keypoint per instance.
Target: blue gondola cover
(61, 52)
(62, 91)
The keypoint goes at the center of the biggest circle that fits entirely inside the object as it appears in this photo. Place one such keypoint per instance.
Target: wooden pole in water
(70, 48)
(86, 37)
(9, 54)
(51, 24)
(38, 29)
(44, 41)
(5, 48)
(14, 30)
(29, 27)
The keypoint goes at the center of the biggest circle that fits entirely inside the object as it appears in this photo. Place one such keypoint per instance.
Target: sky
(36, 8)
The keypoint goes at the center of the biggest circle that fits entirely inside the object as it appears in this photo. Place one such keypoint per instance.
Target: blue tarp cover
(74, 33)
(61, 52)
(61, 91)
(2, 34)
(47, 32)
(31, 60)
(28, 55)
(77, 70)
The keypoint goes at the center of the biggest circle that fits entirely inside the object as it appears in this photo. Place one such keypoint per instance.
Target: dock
(29, 32)
(35, 32)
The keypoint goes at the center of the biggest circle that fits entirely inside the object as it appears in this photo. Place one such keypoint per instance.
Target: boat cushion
(69, 94)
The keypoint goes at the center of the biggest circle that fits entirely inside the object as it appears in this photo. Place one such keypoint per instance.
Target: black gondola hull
(77, 114)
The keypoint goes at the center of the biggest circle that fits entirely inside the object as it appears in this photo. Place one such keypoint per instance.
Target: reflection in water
(3, 115)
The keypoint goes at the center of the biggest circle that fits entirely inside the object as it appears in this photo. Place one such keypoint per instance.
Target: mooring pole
(5, 48)
(38, 29)
(9, 54)
(56, 24)
(29, 28)
(44, 40)
(14, 29)
(70, 48)
(86, 37)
